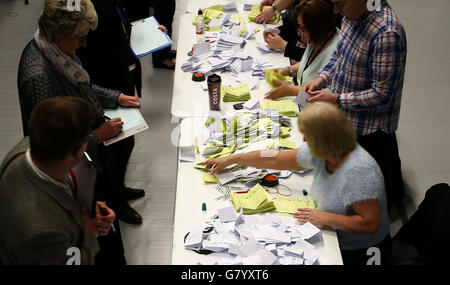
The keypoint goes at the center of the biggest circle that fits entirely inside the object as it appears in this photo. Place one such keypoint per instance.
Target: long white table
(190, 105)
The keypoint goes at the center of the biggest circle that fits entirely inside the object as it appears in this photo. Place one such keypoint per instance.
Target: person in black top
(164, 11)
(110, 62)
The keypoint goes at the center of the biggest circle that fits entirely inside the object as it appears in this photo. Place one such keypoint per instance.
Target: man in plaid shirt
(365, 76)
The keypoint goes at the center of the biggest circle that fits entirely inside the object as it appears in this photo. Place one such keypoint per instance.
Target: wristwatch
(274, 7)
(290, 70)
(338, 100)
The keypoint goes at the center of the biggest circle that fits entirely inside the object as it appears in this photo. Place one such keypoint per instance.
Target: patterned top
(367, 70)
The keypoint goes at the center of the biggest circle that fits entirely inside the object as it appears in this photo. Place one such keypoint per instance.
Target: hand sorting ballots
(265, 15)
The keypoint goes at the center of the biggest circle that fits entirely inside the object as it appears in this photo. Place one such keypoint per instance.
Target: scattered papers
(261, 239)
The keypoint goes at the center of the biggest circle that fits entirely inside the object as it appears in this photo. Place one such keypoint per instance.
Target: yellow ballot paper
(271, 75)
(236, 93)
(289, 206)
(285, 132)
(255, 12)
(284, 107)
(209, 178)
(256, 200)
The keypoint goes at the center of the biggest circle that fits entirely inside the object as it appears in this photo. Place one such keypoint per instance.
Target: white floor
(423, 134)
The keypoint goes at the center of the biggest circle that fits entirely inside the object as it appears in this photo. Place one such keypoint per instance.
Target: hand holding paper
(128, 101)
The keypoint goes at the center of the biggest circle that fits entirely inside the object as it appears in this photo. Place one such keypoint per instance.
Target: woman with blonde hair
(348, 186)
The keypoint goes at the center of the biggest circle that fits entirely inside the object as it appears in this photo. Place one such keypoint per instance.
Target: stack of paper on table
(256, 200)
(237, 93)
(289, 206)
(255, 12)
(284, 107)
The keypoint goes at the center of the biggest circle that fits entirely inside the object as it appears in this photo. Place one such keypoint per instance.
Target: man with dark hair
(40, 219)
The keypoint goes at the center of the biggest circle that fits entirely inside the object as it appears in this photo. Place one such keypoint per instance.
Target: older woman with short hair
(348, 186)
(49, 67)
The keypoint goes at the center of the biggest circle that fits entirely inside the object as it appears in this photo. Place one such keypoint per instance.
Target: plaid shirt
(367, 70)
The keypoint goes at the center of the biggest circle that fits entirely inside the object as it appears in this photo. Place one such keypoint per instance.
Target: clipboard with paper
(146, 38)
(133, 122)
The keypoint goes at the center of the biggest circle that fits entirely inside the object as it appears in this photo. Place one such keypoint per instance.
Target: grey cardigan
(38, 79)
(39, 221)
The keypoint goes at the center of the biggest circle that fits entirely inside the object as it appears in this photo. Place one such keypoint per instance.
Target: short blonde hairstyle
(327, 130)
(56, 18)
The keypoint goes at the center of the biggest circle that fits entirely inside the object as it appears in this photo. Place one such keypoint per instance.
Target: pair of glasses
(300, 29)
(81, 39)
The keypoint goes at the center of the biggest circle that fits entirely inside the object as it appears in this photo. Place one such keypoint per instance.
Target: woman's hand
(275, 41)
(282, 70)
(217, 164)
(163, 28)
(265, 16)
(104, 218)
(314, 85)
(284, 89)
(128, 101)
(314, 216)
(109, 129)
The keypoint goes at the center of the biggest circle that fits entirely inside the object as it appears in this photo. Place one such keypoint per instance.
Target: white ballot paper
(227, 214)
(301, 98)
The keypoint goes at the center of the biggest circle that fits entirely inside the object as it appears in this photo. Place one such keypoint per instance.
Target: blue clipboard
(146, 38)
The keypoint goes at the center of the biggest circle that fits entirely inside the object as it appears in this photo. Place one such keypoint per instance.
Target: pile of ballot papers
(255, 12)
(243, 131)
(260, 239)
(237, 93)
(256, 200)
(285, 107)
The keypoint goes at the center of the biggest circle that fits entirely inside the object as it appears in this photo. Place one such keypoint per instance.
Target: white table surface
(189, 99)
(190, 104)
(191, 193)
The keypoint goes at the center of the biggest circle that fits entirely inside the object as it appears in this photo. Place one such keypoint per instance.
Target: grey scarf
(64, 63)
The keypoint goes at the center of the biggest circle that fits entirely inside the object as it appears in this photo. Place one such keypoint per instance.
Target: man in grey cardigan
(40, 218)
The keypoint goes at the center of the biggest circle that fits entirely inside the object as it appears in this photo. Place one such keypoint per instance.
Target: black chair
(425, 237)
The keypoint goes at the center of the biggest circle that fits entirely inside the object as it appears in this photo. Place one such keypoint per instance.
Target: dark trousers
(111, 248)
(360, 256)
(383, 147)
(164, 11)
(114, 159)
